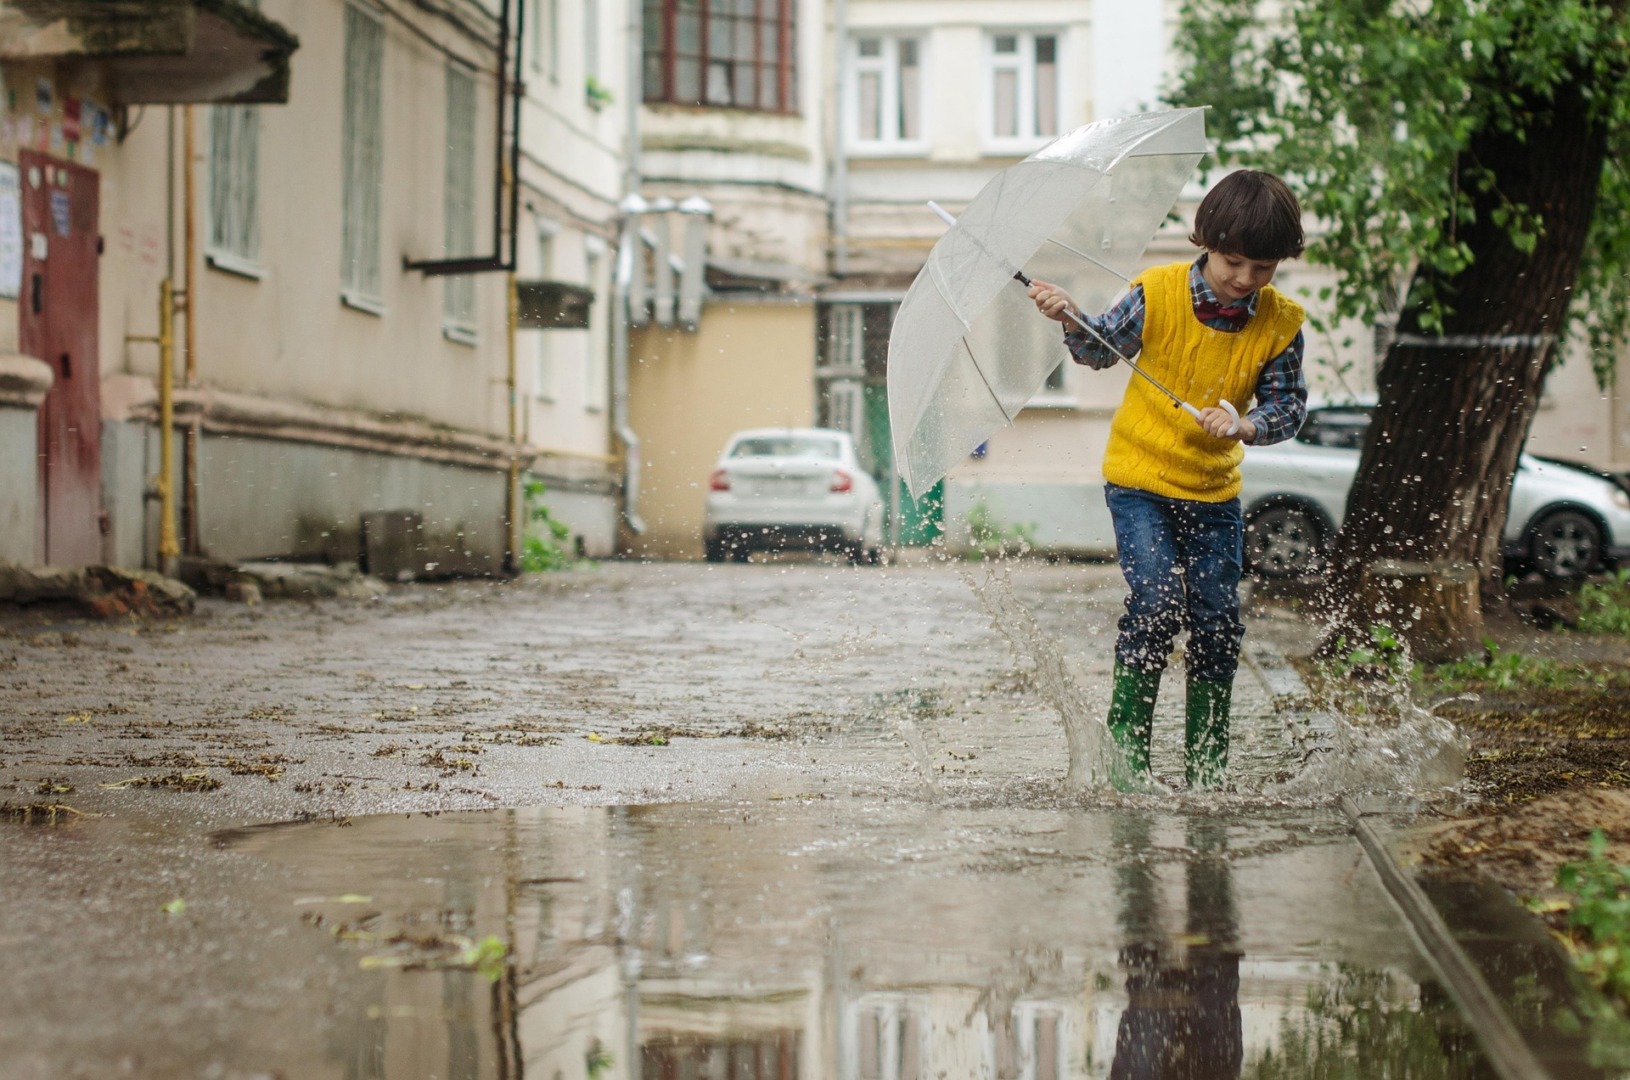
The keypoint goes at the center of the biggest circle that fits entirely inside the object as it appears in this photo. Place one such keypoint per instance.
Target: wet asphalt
(789, 819)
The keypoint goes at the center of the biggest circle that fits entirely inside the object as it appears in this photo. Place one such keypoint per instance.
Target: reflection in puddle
(824, 940)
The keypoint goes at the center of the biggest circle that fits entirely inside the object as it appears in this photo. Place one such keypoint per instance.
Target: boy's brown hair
(1250, 213)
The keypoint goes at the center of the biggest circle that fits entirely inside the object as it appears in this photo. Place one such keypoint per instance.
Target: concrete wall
(262, 498)
(20, 491)
(751, 364)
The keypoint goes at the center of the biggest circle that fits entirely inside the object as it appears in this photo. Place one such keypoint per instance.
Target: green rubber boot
(1131, 723)
(1205, 736)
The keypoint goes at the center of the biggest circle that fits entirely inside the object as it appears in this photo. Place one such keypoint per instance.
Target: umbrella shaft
(1123, 358)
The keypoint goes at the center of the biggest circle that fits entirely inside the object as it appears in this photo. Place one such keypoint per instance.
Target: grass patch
(1604, 608)
(1498, 669)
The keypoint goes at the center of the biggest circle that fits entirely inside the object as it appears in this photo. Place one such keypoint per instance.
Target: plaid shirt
(1281, 391)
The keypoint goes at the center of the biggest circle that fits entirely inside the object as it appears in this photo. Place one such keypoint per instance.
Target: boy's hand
(1216, 422)
(1051, 301)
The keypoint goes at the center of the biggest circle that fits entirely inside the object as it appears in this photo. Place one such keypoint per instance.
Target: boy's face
(1233, 277)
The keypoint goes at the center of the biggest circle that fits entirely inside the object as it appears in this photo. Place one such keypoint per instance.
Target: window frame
(661, 22)
(363, 173)
(887, 68)
(233, 244)
(1027, 138)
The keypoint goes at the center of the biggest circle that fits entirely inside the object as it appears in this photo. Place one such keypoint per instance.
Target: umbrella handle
(1225, 405)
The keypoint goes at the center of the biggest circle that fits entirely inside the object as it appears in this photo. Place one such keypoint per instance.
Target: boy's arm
(1281, 396)
(1121, 326)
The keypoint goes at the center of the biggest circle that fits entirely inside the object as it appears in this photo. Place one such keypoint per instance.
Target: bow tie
(1206, 310)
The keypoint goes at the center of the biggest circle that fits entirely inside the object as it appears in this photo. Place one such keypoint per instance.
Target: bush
(543, 547)
(990, 538)
(1605, 608)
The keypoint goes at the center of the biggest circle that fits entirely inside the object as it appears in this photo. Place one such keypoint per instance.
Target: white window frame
(544, 375)
(458, 205)
(1023, 63)
(363, 143)
(886, 68)
(233, 242)
(596, 365)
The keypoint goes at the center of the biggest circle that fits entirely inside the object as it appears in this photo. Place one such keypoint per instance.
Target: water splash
(1084, 732)
(1417, 753)
(1369, 736)
(912, 735)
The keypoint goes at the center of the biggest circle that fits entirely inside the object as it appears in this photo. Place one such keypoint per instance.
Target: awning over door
(158, 52)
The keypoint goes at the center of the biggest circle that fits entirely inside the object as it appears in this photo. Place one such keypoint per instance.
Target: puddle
(830, 939)
(1412, 752)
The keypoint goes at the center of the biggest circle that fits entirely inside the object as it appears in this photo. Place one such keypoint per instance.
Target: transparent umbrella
(968, 349)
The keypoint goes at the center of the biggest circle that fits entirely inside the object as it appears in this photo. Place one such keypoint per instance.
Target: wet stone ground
(662, 820)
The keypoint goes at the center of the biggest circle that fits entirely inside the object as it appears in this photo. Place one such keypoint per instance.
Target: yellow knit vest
(1155, 446)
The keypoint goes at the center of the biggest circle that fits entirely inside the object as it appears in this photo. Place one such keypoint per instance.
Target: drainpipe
(627, 250)
(513, 526)
(840, 146)
(189, 311)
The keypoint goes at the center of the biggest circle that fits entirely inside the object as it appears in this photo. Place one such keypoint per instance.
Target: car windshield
(1342, 427)
(808, 446)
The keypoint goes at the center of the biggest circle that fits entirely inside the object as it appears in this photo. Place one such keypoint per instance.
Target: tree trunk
(1454, 409)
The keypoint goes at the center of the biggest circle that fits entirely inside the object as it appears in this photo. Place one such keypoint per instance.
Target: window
(554, 40)
(737, 53)
(534, 32)
(234, 188)
(458, 204)
(543, 381)
(363, 148)
(1023, 92)
(886, 91)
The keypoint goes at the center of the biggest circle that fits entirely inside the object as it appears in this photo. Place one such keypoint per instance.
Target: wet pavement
(668, 821)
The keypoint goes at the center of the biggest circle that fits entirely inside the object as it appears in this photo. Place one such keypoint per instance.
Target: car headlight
(1620, 499)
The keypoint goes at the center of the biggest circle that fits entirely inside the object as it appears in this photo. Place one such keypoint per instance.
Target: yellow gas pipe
(163, 484)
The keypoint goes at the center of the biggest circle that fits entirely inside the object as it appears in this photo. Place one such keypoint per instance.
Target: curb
(1503, 1045)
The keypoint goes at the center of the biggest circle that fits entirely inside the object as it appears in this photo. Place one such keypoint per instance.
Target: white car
(1564, 520)
(792, 488)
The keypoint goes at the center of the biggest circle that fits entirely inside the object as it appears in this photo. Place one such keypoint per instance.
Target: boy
(1208, 330)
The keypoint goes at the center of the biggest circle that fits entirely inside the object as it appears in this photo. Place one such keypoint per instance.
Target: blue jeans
(1182, 562)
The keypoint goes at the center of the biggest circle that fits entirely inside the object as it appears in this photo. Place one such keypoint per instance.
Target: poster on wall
(11, 232)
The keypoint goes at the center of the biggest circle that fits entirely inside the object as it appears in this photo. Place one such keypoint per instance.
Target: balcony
(157, 52)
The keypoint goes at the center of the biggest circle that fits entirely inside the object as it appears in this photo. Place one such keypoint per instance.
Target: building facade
(339, 238)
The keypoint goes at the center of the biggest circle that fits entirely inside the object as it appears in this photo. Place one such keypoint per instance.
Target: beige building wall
(751, 364)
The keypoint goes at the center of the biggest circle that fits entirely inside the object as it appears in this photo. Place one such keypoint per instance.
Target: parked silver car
(1564, 520)
(781, 488)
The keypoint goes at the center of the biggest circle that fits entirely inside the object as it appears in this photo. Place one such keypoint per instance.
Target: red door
(58, 325)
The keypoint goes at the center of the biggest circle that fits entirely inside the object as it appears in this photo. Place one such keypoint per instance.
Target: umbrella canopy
(968, 349)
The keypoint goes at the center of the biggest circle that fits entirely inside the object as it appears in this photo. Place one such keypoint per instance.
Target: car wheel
(1565, 544)
(1283, 541)
(739, 551)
